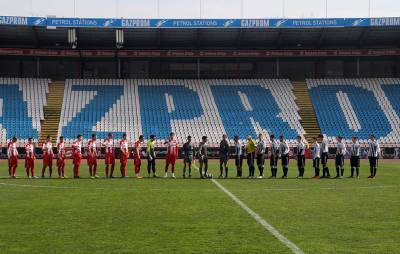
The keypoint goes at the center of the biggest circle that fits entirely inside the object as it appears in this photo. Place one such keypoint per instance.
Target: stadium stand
(21, 107)
(348, 107)
(357, 107)
(187, 107)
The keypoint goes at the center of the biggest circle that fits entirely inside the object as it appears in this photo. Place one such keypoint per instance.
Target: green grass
(194, 216)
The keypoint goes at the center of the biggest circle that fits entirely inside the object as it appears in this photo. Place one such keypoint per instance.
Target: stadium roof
(235, 34)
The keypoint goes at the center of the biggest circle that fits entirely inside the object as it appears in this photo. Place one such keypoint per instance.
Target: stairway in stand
(52, 112)
(307, 113)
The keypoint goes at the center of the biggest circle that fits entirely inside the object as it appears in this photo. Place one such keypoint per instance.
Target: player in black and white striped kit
(316, 155)
(284, 153)
(324, 156)
(374, 151)
(274, 156)
(301, 159)
(340, 153)
(355, 157)
(261, 149)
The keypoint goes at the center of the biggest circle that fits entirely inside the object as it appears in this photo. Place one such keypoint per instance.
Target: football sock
(342, 171)
(357, 171)
(107, 170)
(285, 171)
(112, 170)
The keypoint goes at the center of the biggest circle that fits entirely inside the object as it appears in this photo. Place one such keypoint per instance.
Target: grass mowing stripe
(293, 247)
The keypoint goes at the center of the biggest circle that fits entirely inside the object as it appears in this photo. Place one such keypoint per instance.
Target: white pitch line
(293, 247)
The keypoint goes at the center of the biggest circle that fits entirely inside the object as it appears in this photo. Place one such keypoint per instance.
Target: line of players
(253, 151)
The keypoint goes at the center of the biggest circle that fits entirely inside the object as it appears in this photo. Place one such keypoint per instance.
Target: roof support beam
(279, 39)
(159, 38)
(198, 41)
(239, 38)
(321, 38)
(35, 37)
(362, 37)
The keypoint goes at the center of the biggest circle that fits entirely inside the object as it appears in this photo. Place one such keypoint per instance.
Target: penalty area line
(293, 247)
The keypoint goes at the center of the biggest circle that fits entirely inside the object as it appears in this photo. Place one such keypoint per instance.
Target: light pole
(369, 8)
(242, 8)
(74, 8)
(200, 7)
(326, 8)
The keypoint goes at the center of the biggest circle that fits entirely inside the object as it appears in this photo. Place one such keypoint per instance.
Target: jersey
(223, 149)
(109, 144)
(123, 144)
(238, 148)
(325, 146)
(47, 148)
(77, 147)
(137, 146)
(91, 148)
(61, 150)
(374, 149)
(301, 148)
(355, 149)
(203, 150)
(275, 148)
(261, 146)
(188, 150)
(29, 151)
(250, 146)
(12, 150)
(341, 148)
(172, 148)
(150, 152)
(284, 148)
(316, 151)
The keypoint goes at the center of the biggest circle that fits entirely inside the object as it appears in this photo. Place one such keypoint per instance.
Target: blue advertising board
(198, 23)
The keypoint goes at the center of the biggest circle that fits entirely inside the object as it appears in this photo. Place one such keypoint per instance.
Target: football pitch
(201, 216)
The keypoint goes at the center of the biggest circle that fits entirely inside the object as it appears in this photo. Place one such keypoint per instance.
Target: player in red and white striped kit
(91, 154)
(123, 144)
(137, 160)
(172, 154)
(110, 156)
(48, 155)
(12, 154)
(77, 155)
(30, 159)
(61, 158)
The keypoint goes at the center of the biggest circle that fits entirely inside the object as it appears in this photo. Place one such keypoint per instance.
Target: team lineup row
(253, 151)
